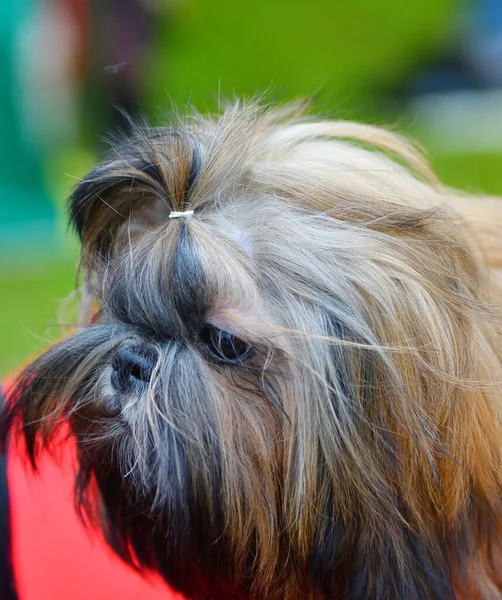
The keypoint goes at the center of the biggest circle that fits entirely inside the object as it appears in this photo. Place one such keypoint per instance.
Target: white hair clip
(176, 215)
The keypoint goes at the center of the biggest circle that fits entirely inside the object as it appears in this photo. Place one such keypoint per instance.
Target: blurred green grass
(474, 173)
(31, 300)
(339, 52)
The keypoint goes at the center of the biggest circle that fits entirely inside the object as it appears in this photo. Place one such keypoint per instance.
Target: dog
(286, 380)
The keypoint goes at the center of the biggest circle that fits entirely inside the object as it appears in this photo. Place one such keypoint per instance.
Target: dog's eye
(225, 346)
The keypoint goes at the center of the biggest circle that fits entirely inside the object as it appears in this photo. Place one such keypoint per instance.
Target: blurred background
(431, 69)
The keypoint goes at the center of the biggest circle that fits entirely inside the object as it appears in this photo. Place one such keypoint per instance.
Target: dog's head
(290, 391)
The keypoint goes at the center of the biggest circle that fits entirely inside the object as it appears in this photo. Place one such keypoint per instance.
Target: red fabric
(54, 557)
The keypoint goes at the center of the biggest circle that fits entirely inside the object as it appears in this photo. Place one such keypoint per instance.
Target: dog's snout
(131, 367)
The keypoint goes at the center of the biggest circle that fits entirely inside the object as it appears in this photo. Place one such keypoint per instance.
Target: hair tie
(176, 215)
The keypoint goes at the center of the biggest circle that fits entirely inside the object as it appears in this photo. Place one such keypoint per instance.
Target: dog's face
(279, 395)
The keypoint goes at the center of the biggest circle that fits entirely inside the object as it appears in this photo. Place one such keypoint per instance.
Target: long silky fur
(357, 453)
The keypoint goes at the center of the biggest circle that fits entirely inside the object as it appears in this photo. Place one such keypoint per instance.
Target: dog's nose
(131, 368)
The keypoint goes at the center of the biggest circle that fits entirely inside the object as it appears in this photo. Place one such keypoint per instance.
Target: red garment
(54, 557)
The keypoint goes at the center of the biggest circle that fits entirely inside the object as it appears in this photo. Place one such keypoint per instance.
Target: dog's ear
(134, 188)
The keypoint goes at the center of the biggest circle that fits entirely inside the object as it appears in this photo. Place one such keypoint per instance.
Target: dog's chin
(173, 538)
(153, 522)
